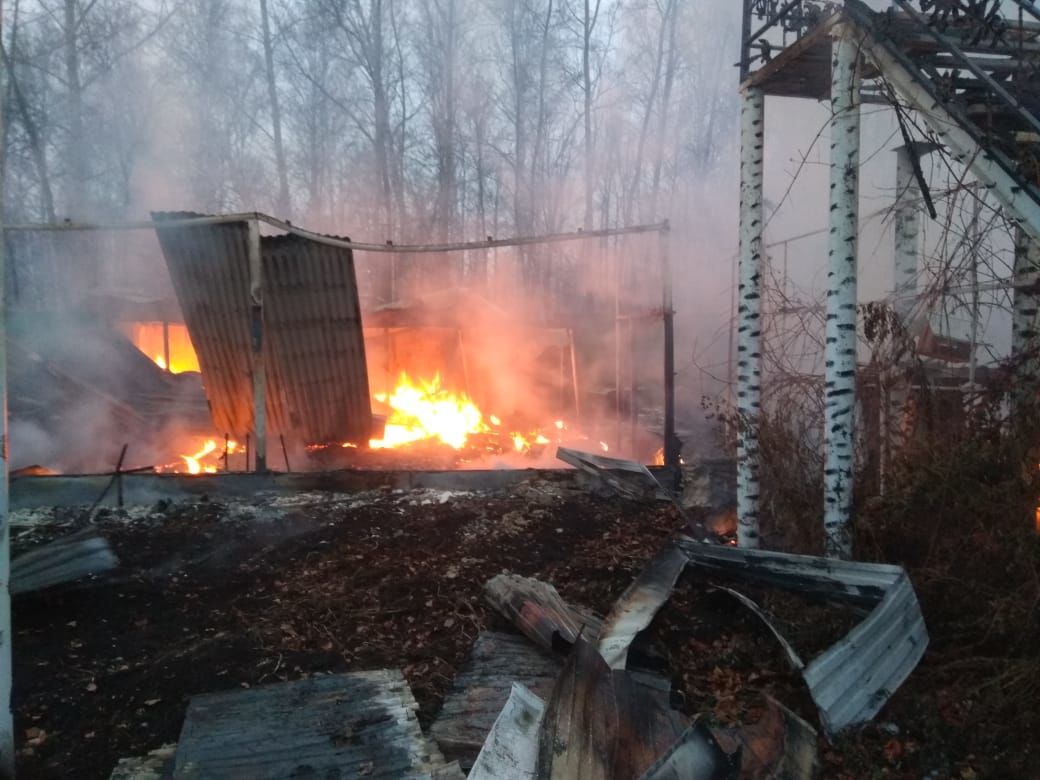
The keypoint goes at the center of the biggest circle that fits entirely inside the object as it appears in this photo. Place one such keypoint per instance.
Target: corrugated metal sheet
(347, 725)
(483, 687)
(851, 681)
(313, 346)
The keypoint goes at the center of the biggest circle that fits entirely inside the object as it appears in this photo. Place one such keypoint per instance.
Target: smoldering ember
(520, 389)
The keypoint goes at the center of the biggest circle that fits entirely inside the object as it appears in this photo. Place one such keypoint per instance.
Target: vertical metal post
(1023, 317)
(671, 439)
(166, 345)
(256, 294)
(907, 226)
(749, 314)
(617, 350)
(6, 721)
(840, 345)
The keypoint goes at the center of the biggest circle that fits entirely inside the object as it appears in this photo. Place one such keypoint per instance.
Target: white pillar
(840, 349)
(907, 227)
(749, 315)
(1023, 316)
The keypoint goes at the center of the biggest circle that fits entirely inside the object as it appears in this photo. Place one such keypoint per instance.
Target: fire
(426, 411)
(205, 460)
(192, 461)
(172, 352)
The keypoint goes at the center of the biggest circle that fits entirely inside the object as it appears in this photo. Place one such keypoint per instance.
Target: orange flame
(425, 411)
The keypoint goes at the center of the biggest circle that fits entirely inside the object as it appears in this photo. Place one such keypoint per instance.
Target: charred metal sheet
(853, 679)
(696, 755)
(311, 334)
(627, 477)
(511, 749)
(631, 480)
(636, 607)
(600, 723)
(483, 686)
(538, 611)
(68, 559)
(778, 745)
(347, 725)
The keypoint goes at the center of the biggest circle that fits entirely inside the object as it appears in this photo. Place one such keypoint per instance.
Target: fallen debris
(696, 755)
(155, 765)
(778, 745)
(637, 606)
(511, 749)
(67, 559)
(482, 688)
(604, 723)
(345, 725)
(853, 679)
(539, 612)
(627, 477)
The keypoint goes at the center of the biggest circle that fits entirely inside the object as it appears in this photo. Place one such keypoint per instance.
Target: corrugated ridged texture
(314, 350)
(851, 681)
(348, 725)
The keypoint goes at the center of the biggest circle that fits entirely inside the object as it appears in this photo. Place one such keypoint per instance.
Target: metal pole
(840, 348)
(256, 294)
(574, 375)
(749, 315)
(6, 721)
(671, 439)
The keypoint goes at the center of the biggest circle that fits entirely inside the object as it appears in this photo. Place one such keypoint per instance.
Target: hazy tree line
(410, 119)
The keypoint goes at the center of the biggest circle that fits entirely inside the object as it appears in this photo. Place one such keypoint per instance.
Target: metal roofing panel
(851, 681)
(313, 345)
(347, 725)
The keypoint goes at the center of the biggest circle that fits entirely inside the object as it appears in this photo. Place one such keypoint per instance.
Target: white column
(749, 315)
(840, 349)
(1023, 317)
(907, 227)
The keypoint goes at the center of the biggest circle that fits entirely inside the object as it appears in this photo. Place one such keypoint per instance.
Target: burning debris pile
(376, 580)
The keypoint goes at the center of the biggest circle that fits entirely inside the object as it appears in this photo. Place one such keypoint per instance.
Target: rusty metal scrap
(777, 745)
(312, 341)
(851, 681)
(538, 611)
(601, 724)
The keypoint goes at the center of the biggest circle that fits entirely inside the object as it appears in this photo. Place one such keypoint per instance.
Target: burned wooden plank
(64, 560)
(349, 725)
(482, 688)
(538, 611)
